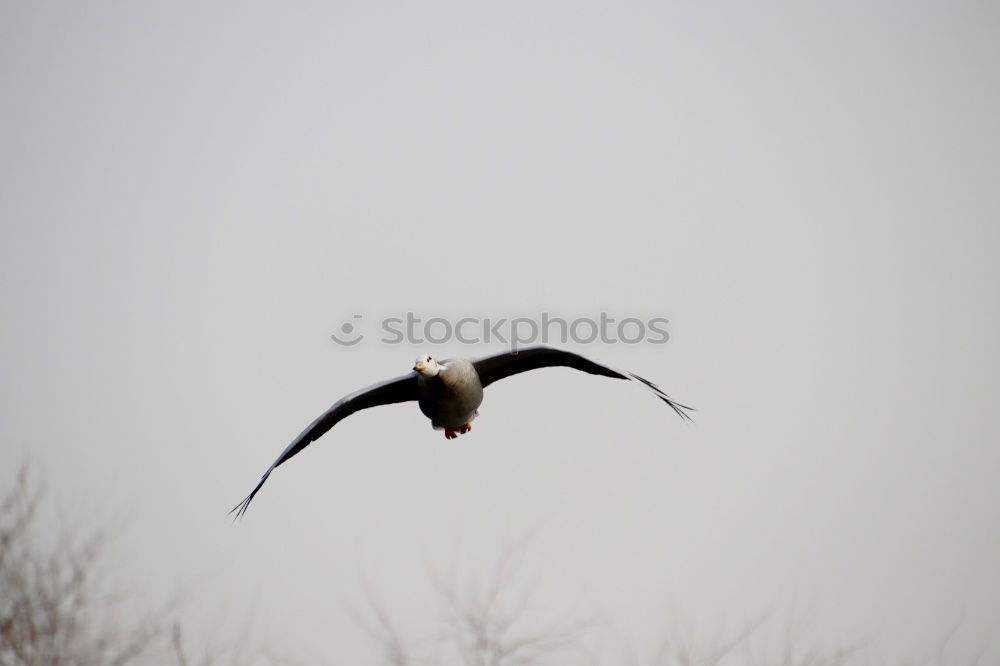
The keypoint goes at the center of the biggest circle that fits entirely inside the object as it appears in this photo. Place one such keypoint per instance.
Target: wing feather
(400, 389)
(495, 368)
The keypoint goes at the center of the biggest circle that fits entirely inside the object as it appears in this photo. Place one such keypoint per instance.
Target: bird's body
(450, 393)
(451, 397)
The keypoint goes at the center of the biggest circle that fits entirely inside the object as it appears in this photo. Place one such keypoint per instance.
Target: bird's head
(426, 366)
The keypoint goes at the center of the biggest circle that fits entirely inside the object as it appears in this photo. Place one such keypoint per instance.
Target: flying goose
(449, 393)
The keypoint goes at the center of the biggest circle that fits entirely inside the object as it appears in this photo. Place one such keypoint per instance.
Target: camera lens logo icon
(349, 334)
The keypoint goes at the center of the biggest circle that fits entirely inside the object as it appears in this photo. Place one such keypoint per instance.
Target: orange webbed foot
(450, 433)
(466, 428)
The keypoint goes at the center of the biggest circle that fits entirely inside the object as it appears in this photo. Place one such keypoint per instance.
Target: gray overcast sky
(194, 195)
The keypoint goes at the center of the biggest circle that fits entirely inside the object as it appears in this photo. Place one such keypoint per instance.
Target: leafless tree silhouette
(57, 607)
(54, 610)
(490, 623)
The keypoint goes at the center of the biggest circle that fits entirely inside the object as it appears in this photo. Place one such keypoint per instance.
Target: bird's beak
(419, 367)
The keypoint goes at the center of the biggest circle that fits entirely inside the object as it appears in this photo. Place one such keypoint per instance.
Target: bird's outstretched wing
(400, 389)
(494, 368)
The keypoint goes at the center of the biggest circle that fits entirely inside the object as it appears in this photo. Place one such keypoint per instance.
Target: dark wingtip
(676, 406)
(241, 508)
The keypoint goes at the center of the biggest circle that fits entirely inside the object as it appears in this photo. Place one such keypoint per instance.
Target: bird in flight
(449, 394)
